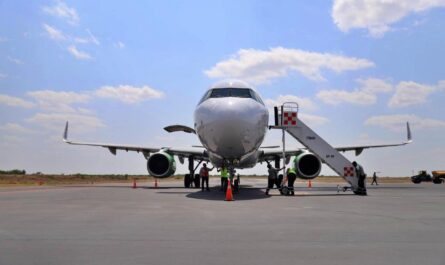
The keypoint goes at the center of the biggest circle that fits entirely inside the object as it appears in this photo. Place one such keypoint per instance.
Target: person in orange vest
(204, 174)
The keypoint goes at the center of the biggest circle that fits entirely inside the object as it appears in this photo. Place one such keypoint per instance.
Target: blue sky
(120, 72)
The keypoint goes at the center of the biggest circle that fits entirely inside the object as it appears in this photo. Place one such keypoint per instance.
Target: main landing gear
(192, 179)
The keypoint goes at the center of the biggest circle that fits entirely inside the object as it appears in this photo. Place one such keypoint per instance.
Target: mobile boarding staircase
(286, 119)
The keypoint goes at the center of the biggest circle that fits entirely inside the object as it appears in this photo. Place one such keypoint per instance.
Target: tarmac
(115, 224)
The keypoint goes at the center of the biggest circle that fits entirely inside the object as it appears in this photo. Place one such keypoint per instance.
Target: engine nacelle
(308, 165)
(161, 165)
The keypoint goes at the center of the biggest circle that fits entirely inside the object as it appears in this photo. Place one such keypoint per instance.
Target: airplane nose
(231, 127)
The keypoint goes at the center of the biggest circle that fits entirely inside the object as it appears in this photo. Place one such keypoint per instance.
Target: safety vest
(292, 170)
(224, 173)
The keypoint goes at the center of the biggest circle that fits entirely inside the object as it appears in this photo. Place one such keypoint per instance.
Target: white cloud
(54, 33)
(14, 60)
(376, 15)
(129, 94)
(312, 120)
(336, 97)
(260, 66)
(305, 104)
(61, 10)
(375, 85)
(397, 122)
(3, 39)
(78, 54)
(119, 45)
(366, 94)
(58, 101)
(56, 121)
(15, 102)
(14, 128)
(411, 93)
(3, 76)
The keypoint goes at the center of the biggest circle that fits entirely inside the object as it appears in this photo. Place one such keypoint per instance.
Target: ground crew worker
(272, 177)
(204, 174)
(374, 179)
(224, 178)
(361, 178)
(291, 177)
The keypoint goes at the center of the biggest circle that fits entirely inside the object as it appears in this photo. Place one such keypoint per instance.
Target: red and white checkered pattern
(289, 118)
(348, 171)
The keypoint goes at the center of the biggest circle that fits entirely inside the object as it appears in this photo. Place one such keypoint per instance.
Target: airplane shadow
(215, 194)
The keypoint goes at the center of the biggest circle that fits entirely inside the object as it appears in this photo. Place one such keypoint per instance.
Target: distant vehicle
(423, 176)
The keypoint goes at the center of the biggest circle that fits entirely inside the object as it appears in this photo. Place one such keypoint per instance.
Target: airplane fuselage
(231, 122)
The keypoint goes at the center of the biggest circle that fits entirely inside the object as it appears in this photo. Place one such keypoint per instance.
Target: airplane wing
(196, 153)
(359, 149)
(278, 153)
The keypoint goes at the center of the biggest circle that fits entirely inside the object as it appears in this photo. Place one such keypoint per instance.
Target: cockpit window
(232, 92)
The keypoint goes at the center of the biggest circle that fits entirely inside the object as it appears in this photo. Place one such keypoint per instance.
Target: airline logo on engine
(289, 118)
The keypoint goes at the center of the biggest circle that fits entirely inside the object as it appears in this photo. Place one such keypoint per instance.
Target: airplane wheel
(285, 190)
(197, 181)
(187, 180)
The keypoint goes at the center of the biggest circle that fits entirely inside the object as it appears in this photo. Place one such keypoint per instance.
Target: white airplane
(231, 122)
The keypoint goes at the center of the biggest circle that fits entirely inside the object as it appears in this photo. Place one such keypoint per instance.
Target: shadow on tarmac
(215, 194)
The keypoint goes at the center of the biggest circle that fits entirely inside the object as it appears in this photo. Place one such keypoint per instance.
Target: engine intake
(161, 165)
(308, 165)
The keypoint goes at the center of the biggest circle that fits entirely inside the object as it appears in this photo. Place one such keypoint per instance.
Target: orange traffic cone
(134, 184)
(229, 194)
(156, 183)
(309, 185)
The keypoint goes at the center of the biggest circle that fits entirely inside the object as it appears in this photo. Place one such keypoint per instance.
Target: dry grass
(43, 179)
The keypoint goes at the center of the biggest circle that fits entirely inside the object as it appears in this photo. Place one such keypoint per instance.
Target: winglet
(408, 133)
(65, 133)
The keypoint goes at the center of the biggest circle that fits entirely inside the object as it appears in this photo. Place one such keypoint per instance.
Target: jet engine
(308, 165)
(161, 165)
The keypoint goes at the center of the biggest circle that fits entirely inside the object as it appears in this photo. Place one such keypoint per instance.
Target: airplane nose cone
(231, 127)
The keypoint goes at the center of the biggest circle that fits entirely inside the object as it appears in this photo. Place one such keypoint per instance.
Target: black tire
(437, 181)
(197, 181)
(187, 181)
(285, 191)
(416, 181)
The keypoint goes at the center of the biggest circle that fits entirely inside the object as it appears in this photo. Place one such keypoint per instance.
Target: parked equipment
(423, 176)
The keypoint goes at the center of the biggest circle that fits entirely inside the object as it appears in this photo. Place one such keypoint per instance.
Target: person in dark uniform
(361, 178)
(374, 179)
(291, 177)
